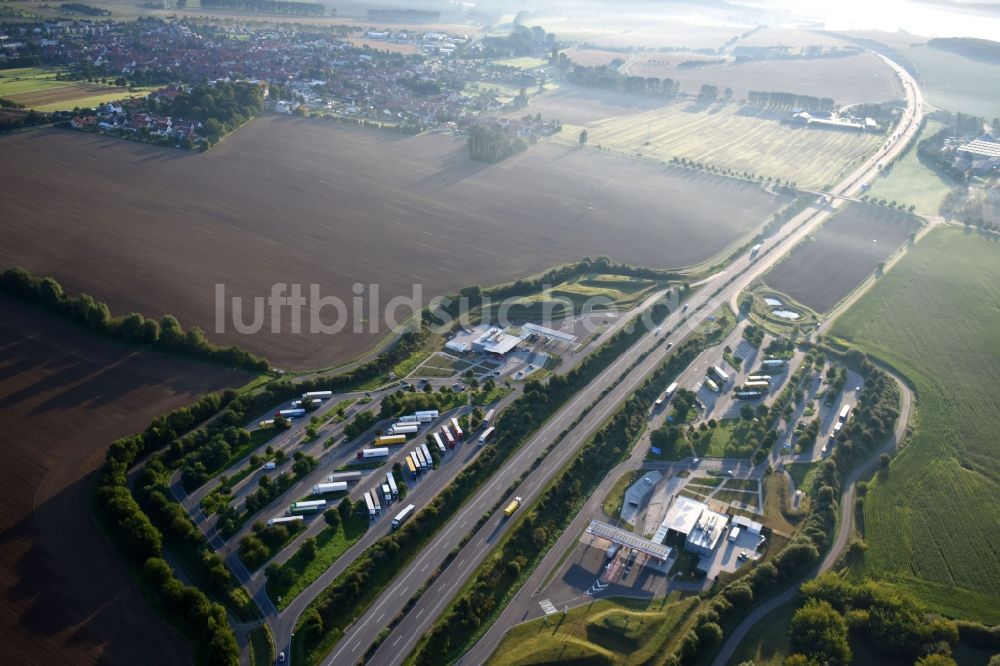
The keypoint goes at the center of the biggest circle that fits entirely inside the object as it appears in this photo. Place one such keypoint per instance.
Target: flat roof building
(496, 341)
(681, 517)
(981, 148)
(706, 533)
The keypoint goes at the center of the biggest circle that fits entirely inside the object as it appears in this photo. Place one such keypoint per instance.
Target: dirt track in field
(64, 396)
(304, 201)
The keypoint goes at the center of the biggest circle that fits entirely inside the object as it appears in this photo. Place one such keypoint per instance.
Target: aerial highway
(726, 286)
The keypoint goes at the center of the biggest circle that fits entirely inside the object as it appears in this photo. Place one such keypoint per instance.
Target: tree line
(350, 594)
(786, 100)
(135, 328)
(266, 6)
(492, 143)
(610, 78)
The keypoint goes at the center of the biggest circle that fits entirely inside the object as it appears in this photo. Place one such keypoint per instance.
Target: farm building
(830, 121)
(982, 148)
(549, 333)
(496, 342)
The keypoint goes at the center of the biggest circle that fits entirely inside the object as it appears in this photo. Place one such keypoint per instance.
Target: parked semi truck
(418, 457)
(459, 435)
(374, 495)
(349, 477)
(370, 504)
(712, 386)
(411, 466)
(755, 386)
(308, 506)
(439, 443)
(427, 454)
(720, 373)
(409, 418)
(487, 435)
(509, 510)
(844, 412)
(317, 395)
(291, 413)
(390, 440)
(334, 487)
(271, 522)
(488, 419)
(759, 378)
(449, 439)
(269, 423)
(403, 429)
(370, 454)
(773, 363)
(747, 395)
(391, 480)
(427, 416)
(403, 515)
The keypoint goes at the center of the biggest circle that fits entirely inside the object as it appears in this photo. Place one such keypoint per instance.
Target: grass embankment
(607, 631)
(615, 498)
(301, 569)
(933, 520)
(261, 647)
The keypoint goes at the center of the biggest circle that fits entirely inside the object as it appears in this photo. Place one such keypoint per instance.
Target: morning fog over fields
(713, 381)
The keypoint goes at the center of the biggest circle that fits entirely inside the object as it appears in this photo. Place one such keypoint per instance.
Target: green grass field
(526, 62)
(912, 182)
(732, 137)
(37, 88)
(932, 524)
(608, 631)
(955, 83)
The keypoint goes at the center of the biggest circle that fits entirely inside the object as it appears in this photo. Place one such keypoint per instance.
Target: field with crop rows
(911, 181)
(932, 524)
(733, 137)
(65, 395)
(37, 88)
(847, 80)
(311, 202)
(829, 265)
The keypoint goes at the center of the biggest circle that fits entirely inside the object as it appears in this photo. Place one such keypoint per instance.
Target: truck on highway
(317, 395)
(712, 386)
(720, 374)
(459, 435)
(269, 465)
(278, 520)
(509, 510)
(390, 440)
(291, 413)
(666, 395)
(391, 480)
(349, 477)
(403, 429)
(373, 454)
(844, 412)
(439, 443)
(427, 454)
(427, 415)
(332, 487)
(402, 516)
(754, 251)
(488, 419)
(308, 506)
(411, 467)
(487, 435)
(370, 504)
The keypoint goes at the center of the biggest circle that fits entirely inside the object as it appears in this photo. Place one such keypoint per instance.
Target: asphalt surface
(736, 636)
(401, 641)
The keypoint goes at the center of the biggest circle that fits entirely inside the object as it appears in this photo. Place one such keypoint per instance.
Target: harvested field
(932, 523)
(847, 80)
(956, 83)
(826, 267)
(732, 137)
(64, 396)
(592, 57)
(296, 201)
(578, 105)
(37, 88)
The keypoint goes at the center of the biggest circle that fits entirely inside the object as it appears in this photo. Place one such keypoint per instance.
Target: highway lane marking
(398, 638)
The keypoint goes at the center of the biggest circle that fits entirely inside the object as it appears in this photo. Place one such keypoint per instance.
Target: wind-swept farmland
(65, 395)
(307, 202)
(931, 522)
(826, 267)
(730, 136)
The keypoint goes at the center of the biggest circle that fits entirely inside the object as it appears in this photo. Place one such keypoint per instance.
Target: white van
(734, 534)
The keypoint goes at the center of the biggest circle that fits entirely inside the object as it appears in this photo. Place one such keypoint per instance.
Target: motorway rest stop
(658, 553)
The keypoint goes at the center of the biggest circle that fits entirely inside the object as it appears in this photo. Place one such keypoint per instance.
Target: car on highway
(696, 461)
(281, 657)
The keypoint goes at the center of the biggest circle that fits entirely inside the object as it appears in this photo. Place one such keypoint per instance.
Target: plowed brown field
(287, 200)
(64, 396)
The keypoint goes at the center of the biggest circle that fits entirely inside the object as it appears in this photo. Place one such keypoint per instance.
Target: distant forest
(983, 50)
(265, 6)
(400, 15)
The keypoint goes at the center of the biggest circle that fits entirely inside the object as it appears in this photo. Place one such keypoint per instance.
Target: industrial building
(701, 527)
(496, 342)
(638, 493)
